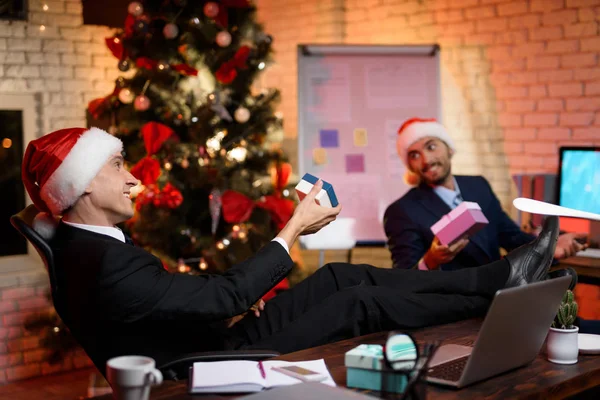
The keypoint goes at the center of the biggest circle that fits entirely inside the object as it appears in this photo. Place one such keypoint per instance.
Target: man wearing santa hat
(117, 299)
(426, 148)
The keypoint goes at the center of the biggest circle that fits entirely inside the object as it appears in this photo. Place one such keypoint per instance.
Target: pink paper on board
(355, 163)
(465, 220)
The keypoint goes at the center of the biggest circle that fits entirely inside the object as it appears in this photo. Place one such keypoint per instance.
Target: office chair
(176, 369)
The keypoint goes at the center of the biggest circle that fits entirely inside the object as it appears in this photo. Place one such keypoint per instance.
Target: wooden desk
(541, 379)
(587, 268)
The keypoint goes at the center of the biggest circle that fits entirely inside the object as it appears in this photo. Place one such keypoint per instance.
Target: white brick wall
(66, 63)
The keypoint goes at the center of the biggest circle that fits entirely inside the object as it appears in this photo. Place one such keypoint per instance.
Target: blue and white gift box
(326, 197)
(364, 365)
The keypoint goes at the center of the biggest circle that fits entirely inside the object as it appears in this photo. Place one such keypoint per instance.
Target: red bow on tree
(115, 45)
(146, 170)
(237, 207)
(185, 69)
(228, 70)
(129, 22)
(280, 176)
(221, 17)
(155, 134)
(97, 107)
(145, 62)
(148, 63)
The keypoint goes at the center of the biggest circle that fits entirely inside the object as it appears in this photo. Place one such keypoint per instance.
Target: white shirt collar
(103, 230)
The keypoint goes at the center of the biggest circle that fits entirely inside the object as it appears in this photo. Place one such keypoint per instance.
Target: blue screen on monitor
(580, 179)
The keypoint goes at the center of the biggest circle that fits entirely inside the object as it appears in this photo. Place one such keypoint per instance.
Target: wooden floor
(67, 386)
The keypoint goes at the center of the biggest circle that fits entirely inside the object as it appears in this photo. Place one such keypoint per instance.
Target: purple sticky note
(355, 163)
(329, 138)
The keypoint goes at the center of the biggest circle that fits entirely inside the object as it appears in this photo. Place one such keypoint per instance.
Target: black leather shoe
(530, 262)
(564, 272)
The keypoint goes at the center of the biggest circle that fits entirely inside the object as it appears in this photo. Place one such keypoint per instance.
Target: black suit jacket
(117, 299)
(408, 220)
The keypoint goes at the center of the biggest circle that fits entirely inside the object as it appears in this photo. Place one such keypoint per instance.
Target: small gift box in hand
(326, 197)
(465, 220)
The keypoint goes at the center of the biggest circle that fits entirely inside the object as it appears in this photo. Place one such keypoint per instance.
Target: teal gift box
(364, 365)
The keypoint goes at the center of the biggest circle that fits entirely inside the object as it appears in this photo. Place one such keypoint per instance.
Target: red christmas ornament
(211, 9)
(146, 197)
(141, 103)
(169, 197)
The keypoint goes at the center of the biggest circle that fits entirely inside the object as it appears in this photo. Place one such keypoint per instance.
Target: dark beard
(439, 181)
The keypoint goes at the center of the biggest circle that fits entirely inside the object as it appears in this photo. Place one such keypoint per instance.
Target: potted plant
(562, 344)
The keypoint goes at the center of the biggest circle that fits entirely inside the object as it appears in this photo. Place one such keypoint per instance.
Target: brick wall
(22, 296)
(66, 65)
(519, 78)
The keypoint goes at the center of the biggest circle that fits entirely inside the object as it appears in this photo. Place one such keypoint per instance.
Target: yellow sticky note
(320, 156)
(360, 137)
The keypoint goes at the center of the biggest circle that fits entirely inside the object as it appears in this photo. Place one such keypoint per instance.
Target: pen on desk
(262, 370)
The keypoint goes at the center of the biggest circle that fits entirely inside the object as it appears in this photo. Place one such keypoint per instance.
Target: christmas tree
(204, 142)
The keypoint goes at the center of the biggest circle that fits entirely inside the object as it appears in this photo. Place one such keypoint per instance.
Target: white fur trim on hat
(417, 131)
(87, 157)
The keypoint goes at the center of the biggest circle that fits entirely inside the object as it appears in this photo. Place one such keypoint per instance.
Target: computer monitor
(579, 178)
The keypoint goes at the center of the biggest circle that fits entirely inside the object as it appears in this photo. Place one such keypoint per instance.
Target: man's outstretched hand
(439, 253)
(309, 217)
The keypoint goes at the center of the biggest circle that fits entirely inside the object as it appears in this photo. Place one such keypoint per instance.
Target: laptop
(511, 335)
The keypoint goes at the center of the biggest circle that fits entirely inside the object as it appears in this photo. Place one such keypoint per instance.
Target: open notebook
(244, 376)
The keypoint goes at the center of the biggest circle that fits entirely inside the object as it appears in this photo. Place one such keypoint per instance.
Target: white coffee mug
(132, 376)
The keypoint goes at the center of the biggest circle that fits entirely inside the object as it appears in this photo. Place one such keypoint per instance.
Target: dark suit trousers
(340, 301)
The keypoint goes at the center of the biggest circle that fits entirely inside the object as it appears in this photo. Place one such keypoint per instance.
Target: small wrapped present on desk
(464, 221)
(366, 369)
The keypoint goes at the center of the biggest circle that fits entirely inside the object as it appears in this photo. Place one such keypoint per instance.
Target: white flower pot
(562, 345)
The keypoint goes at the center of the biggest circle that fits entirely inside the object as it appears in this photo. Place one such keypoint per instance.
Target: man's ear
(451, 152)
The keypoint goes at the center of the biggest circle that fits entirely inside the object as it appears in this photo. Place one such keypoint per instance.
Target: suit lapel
(432, 202)
(470, 192)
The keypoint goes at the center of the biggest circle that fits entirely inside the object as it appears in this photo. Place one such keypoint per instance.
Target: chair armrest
(179, 368)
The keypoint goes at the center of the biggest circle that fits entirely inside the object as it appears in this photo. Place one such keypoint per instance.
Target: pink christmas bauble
(141, 103)
(211, 9)
(171, 31)
(135, 8)
(223, 39)
(126, 96)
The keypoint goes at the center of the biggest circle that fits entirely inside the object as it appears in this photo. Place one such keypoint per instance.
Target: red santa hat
(414, 130)
(59, 166)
